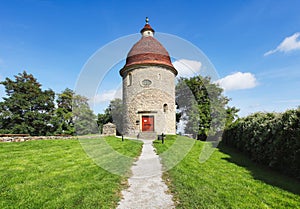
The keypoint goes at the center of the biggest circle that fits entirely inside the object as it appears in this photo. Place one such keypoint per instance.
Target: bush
(271, 139)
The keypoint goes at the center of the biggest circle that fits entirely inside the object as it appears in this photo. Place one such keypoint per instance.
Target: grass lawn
(227, 180)
(59, 174)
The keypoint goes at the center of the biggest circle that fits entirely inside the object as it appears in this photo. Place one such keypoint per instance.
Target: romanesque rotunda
(148, 88)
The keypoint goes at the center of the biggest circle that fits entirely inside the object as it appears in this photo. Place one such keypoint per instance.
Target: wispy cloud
(288, 44)
(107, 96)
(187, 68)
(238, 81)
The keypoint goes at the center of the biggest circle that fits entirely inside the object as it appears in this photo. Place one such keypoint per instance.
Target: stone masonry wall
(140, 99)
(32, 138)
(109, 129)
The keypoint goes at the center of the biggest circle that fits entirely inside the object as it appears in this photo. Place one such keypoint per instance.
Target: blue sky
(254, 45)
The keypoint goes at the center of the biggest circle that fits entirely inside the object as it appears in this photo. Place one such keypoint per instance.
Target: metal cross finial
(147, 20)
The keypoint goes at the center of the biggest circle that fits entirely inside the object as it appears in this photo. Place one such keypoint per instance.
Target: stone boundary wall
(33, 138)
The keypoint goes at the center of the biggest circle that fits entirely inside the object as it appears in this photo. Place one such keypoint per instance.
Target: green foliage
(231, 115)
(27, 109)
(63, 119)
(116, 111)
(269, 138)
(203, 106)
(83, 117)
(103, 118)
(112, 114)
(228, 179)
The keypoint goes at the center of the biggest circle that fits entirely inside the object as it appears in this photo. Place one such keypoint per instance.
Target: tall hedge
(271, 139)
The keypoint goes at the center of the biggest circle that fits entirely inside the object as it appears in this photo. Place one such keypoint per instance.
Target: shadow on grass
(260, 172)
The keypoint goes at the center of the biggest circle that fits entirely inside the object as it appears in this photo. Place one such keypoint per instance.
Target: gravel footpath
(146, 187)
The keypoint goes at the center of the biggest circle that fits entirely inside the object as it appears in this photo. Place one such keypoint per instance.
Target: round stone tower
(148, 88)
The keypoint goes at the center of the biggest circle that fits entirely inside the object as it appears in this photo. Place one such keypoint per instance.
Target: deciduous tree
(63, 113)
(85, 121)
(26, 109)
(114, 114)
(203, 105)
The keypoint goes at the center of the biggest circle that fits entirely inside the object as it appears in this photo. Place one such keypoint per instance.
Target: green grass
(227, 180)
(59, 174)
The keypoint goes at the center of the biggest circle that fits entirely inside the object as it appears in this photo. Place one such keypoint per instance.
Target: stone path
(146, 187)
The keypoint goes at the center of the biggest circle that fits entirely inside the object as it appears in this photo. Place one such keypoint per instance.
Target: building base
(147, 135)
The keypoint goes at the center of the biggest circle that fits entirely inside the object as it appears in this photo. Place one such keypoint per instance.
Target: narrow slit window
(159, 76)
(165, 107)
(129, 79)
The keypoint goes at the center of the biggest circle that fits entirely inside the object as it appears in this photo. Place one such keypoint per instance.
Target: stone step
(147, 135)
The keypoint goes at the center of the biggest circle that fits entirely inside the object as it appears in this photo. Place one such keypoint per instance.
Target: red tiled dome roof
(148, 51)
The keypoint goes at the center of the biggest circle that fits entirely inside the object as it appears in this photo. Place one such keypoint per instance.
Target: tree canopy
(63, 114)
(114, 114)
(27, 109)
(202, 106)
(85, 121)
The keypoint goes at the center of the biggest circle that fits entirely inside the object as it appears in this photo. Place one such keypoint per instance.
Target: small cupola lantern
(147, 30)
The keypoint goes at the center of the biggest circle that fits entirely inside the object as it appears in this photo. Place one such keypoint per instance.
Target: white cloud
(237, 81)
(288, 44)
(187, 68)
(107, 96)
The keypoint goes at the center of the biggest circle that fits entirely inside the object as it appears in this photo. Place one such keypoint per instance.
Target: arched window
(165, 107)
(129, 79)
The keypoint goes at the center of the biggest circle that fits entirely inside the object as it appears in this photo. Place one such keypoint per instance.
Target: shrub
(271, 139)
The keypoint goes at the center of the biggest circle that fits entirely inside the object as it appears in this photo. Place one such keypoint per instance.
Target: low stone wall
(32, 138)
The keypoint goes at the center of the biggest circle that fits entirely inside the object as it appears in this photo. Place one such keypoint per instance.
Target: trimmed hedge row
(271, 139)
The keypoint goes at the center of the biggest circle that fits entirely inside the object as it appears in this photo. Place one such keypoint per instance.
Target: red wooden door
(147, 123)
